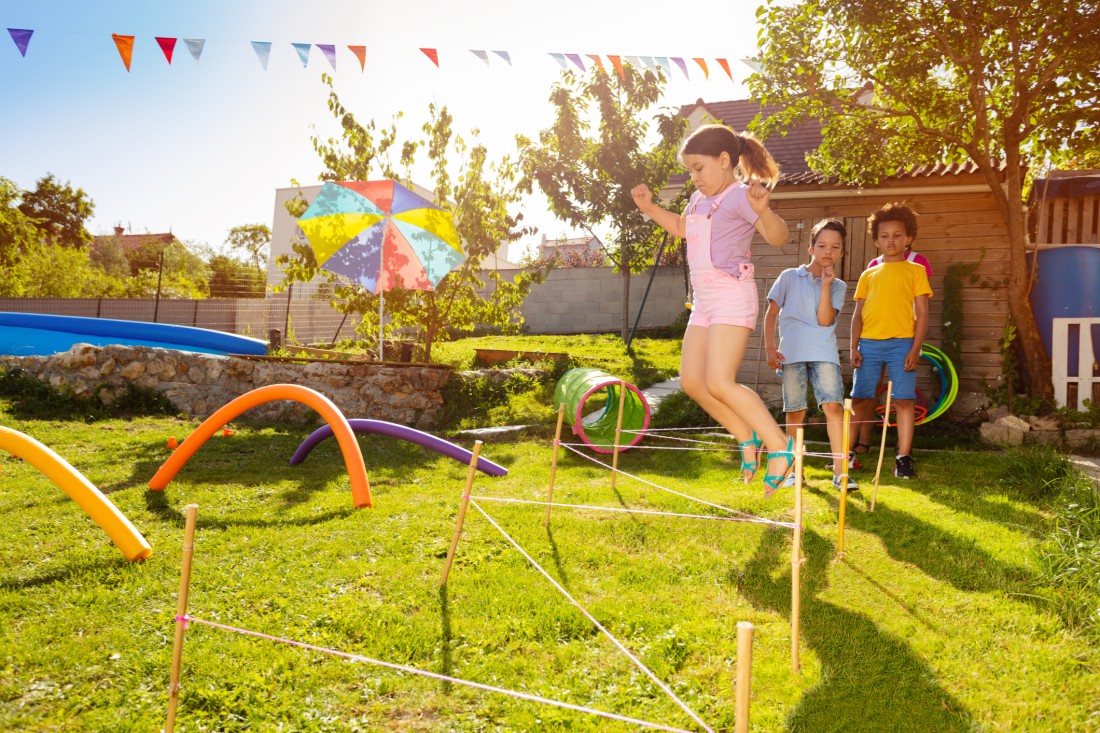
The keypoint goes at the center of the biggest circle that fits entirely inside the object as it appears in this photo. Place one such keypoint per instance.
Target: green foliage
(31, 398)
(1035, 472)
(252, 240)
(953, 314)
(56, 271)
(1069, 557)
(59, 211)
(600, 146)
(17, 231)
(232, 278)
(480, 194)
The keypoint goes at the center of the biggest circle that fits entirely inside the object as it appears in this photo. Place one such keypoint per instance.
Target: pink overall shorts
(719, 297)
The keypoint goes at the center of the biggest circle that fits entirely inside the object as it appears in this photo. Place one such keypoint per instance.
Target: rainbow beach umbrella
(382, 236)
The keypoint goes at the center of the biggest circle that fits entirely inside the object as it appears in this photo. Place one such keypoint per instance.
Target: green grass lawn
(932, 622)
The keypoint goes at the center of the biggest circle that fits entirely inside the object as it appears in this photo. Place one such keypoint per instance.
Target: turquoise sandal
(773, 481)
(751, 466)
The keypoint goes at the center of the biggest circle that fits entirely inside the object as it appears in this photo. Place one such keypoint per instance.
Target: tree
(587, 174)
(479, 196)
(50, 270)
(253, 240)
(947, 81)
(232, 278)
(17, 231)
(59, 211)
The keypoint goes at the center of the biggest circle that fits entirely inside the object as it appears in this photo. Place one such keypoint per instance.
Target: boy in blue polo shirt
(805, 301)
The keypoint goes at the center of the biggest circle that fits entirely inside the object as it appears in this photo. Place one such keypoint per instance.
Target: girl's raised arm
(672, 223)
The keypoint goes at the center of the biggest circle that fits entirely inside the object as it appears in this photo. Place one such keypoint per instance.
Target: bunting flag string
(168, 45)
(22, 38)
(125, 45)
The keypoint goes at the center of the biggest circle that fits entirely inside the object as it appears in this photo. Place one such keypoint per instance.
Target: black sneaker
(903, 467)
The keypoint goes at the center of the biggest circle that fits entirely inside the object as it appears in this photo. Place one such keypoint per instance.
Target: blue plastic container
(1068, 286)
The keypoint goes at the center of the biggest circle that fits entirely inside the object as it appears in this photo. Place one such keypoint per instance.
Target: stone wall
(199, 384)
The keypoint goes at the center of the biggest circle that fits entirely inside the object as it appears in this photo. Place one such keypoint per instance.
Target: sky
(199, 148)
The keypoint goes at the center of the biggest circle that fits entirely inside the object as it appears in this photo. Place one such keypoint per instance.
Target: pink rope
(433, 675)
(637, 662)
(760, 520)
(628, 510)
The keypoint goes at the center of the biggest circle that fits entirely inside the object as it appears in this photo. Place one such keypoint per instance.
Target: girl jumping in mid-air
(731, 202)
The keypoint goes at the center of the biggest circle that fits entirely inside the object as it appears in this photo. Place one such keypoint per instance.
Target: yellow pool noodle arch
(72, 482)
(349, 446)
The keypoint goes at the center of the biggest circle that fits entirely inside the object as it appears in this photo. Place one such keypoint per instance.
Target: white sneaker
(790, 483)
(852, 485)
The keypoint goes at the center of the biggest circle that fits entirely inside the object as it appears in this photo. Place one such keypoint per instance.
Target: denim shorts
(826, 377)
(890, 352)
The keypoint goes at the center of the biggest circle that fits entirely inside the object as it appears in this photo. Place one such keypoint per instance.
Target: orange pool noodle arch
(72, 482)
(349, 446)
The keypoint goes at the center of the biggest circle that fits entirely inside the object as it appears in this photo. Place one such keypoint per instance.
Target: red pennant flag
(595, 59)
(433, 54)
(617, 62)
(725, 67)
(168, 45)
(361, 54)
(703, 63)
(125, 48)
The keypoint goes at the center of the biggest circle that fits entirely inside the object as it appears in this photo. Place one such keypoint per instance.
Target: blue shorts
(890, 352)
(826, 377)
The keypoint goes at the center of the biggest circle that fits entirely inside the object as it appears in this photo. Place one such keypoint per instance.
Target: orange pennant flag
(725, 67)
(125, 48)
(703, 63)
(433, 54)
(361, 54)
(617, 62)
(595, 59)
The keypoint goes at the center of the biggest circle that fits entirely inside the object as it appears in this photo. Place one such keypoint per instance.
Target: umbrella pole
(381, 343)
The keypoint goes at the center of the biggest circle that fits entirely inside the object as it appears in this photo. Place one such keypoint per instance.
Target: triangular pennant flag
(481, 55)
(361, 54)
(595, 59)
(560, 58)
(329, 50)
(303, 52)
(662, 61)
(633, 61)
(263, 52)
(703, 63)
(195, 45)
(683, 67)
(168, 45)
(725, 67)
(576, 59)
(649, 63)
(125, 48)
(618, 64)
(504, 55)
(433, 54)
(22, 37)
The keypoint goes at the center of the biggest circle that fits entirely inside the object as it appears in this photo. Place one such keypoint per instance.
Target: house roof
(790, 150)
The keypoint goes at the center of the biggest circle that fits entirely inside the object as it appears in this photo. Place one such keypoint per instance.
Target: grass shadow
(870, 680)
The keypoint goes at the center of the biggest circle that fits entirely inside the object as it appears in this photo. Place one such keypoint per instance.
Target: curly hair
(894, 212)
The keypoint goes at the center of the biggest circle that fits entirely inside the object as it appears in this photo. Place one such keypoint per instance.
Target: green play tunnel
(598, 430)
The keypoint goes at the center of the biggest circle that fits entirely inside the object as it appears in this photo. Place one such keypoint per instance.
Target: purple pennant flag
(329, 50)
(504, 55)
(683, 67)
(576, 59)
(22, 37)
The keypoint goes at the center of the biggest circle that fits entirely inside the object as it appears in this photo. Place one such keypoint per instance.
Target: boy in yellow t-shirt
(888, 326)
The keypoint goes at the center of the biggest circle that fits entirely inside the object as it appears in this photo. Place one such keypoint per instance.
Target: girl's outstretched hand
(643, 197)
(759, 196)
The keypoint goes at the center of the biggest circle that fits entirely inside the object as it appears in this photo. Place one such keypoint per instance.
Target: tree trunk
(626, 304)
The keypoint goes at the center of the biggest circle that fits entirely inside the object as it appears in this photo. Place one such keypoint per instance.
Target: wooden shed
(958, 223)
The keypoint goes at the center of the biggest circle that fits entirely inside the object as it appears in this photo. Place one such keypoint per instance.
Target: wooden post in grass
(796, 554)
(882, 446)
(554, 463)
(181, 613)
(618, 434)
(461, 513)
(744, 677)
(845, 432)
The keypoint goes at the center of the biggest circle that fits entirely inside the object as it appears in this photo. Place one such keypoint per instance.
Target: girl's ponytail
(756, 162)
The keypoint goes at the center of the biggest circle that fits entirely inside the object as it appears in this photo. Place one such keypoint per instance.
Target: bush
(1069, 557)
(33, 398)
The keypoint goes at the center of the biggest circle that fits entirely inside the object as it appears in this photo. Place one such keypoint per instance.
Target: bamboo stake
(882, 446)
(461, 513)
(744, 676)
(844, 474)
(796, 555)
(554, 463)
(618, 433)
(181, 613)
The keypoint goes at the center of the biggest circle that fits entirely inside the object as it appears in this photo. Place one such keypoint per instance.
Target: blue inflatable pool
(34, 334)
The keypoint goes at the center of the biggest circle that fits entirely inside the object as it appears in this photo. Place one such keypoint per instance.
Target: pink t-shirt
(732, 227)
(915, 257)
